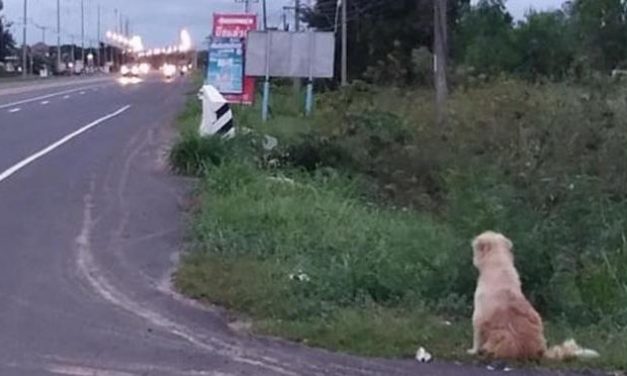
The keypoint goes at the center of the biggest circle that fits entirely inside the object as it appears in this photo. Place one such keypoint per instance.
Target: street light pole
(83, 31)
(98, 34)
(24, 47)
(265, 15)
(58, 35)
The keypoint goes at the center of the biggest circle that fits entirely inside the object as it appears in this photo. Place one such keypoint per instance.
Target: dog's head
(491, 246)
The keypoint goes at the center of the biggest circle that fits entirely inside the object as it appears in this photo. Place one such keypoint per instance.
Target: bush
(539, 163)
(195, 155)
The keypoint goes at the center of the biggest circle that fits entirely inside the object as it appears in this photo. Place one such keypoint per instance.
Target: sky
(158, 21)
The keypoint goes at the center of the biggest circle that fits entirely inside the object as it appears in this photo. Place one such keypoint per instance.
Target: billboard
(237, 26)
(289, 54)
(226, 65)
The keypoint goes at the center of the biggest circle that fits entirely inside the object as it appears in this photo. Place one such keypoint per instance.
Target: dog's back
(514, 330)
(508, 326)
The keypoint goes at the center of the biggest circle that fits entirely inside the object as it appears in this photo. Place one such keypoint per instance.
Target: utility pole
(246, 6)
(98, 36)
(43, 32)
(115, 21)
(440, 50)
(83, 31)
(1, 33)
(265, 15)
(24, 47)
(73, 51)
(344, 43)
(297, 83)
(58, 35)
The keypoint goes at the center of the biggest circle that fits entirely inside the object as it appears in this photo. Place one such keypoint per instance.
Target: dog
(505, 325)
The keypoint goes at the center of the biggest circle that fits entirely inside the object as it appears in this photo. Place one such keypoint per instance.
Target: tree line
(391, 41)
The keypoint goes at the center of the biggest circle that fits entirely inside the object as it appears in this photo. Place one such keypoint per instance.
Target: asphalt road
(91, 227)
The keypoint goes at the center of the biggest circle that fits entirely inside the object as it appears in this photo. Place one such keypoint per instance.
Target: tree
(485, 38)
(383, 34)
(547, 44)
(602, 30)
(7, 42)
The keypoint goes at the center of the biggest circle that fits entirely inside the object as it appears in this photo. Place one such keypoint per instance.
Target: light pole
(1, 33)
(24, 47)
(58, 35)
(83, 31)
(100, 63)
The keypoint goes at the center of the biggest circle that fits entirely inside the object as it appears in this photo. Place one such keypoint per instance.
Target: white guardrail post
(217, 117)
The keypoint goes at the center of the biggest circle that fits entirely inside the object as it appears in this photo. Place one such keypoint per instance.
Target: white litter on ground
(423, 356)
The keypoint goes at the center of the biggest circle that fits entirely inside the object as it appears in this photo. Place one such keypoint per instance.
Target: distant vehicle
(168, 70)
(132, 71)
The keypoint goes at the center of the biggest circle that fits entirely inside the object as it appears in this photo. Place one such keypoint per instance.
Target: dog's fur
(506, 326)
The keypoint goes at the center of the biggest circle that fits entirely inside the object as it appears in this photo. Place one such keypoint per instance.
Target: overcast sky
(160, 21)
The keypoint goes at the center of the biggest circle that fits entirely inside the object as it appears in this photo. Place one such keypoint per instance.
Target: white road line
(24, 163)
(35, 99)
(82, 93)
(45, 102)
(67, 97)
(13, 110)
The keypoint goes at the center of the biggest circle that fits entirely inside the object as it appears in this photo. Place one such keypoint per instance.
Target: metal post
(266, 84)
(1, 33)
(24, 47)
(58, 35)
(98, 41)
(73, 53)
(312, 51)
(83, 31)
(265, 15)
(344, 45)
(297, 81)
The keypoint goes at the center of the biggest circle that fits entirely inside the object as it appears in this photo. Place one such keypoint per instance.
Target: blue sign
(226, 65)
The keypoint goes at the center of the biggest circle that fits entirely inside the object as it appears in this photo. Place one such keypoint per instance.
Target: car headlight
(169, 70)
(144, 68)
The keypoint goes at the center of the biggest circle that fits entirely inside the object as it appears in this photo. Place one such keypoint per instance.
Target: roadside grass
(312, 256)
(252, 234)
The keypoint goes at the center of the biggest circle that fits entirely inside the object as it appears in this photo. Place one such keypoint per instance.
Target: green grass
(382, 233)
(368, 269)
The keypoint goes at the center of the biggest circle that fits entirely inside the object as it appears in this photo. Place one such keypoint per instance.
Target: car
(132, 71)
(168, 70)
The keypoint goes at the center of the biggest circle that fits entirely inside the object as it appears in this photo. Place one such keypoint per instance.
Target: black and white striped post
(217, 117)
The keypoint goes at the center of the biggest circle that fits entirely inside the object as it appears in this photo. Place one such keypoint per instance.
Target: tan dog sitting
(505, 324)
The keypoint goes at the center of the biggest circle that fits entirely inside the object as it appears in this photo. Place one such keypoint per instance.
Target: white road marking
(35, 99)
(13, 110)
(45, 102)
(67, 97)
(84, 371)
(82, 93)
(12, 170)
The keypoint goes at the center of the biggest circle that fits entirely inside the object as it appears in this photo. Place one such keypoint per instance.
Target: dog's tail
(570, 350)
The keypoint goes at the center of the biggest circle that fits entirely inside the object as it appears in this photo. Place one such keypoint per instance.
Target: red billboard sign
(236, 26)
